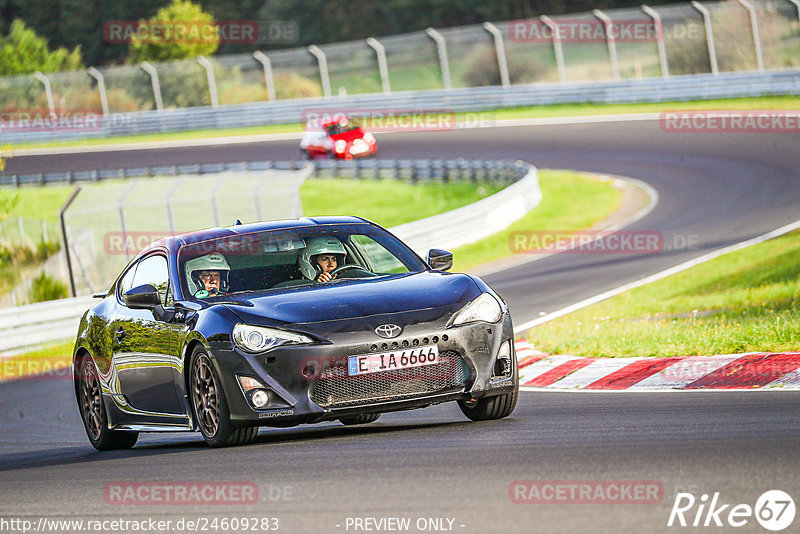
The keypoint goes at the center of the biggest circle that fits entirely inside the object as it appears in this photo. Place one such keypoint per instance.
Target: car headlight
(340, 145)
(484, 308)
(369, 138)
(260, 338)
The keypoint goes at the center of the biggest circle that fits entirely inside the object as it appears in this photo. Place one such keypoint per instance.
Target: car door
(145, 348)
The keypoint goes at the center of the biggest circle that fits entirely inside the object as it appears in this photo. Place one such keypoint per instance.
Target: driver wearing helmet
(321, 257)
(207, 276)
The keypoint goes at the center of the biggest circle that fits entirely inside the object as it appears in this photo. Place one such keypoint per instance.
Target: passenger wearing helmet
(207, 276)
(321, 256)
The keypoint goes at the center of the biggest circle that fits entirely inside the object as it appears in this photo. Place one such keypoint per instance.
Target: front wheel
(489, 408)
(211, 408)
(93, 412)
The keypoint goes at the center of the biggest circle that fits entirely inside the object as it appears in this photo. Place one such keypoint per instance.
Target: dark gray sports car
(288, 322)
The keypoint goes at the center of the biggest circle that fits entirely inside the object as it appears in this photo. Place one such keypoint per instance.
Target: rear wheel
(360, 419)
(210, 407)
(93, 412)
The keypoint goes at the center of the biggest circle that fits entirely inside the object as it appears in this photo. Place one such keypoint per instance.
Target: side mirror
(440, 260)
(144, 297)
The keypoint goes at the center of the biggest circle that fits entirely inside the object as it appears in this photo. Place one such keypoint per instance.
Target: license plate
(358, 149)
(389, 361)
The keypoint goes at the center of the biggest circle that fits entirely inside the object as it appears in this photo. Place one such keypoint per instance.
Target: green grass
(388, 202)
(560, 110)
(746, 301)
(570, 201)
(36, 202)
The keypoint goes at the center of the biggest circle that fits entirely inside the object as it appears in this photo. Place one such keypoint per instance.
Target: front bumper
(309, 383)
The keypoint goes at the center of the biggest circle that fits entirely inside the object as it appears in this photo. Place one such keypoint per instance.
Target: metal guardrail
(45, 322)
(674, 88)
(399, 169)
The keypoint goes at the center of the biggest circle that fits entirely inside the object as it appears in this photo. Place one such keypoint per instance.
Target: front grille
(335, 388)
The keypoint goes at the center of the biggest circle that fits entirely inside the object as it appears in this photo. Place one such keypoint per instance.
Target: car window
(127, 281)
(379, 259)
(153, 270)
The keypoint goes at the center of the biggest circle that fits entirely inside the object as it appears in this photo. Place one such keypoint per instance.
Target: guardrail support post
(610, 41)
(322, 61)
(712, 51)
(212, 81)
(557, 50)
(262, 58)
(65, 241)
(383, 66)
(151, 70)
(441, 47)
(101, 86)
(500, 48)
(48, 91)
(756, 36)
(662, 51)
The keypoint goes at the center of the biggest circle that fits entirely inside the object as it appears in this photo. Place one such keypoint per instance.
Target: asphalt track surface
(713, 189)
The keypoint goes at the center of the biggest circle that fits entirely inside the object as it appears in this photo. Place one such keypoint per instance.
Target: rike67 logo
(774, 510)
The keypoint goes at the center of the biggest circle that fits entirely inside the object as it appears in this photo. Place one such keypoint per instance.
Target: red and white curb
(761, 370)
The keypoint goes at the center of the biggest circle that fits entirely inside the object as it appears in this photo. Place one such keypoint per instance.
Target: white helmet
(316, 246)
(209, 262)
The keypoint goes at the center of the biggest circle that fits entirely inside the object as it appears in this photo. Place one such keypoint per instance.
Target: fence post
(557, 50)
(22, 237)
(101, 86)
(121, 215)
(662, 51)
(212, 81)
(756, 37)
(797, 5)
(441, 47)
(48, 91)
(168, 206)
(712, 51)
(151, 70)
(214, 203)
(322, 61)
(383, 67)
(64, 239)
(610, 41)
(500, 49)
(262, 58)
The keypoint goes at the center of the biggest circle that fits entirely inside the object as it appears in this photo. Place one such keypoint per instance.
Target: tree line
(73, 30)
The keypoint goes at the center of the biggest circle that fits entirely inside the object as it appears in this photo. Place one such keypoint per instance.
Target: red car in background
(340, 138)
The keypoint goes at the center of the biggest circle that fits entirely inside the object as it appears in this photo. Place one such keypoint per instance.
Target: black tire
(360, 419)
(489, 408)
(210, 406)
(93, 411)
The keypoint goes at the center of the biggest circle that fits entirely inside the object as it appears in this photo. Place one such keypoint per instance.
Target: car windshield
(343, 126)
(277, 259)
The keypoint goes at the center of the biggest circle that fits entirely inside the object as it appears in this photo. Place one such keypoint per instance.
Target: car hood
(430, 295)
